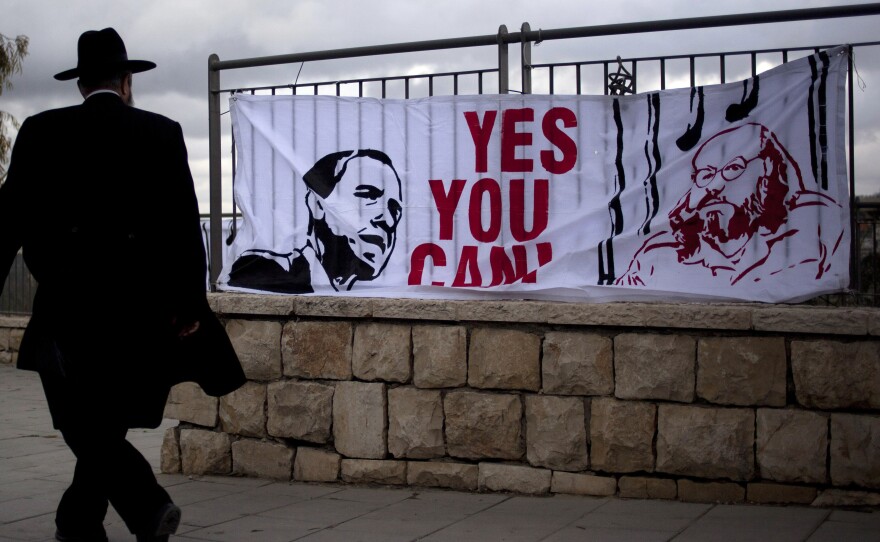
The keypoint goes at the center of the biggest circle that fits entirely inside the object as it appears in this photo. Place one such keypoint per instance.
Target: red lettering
(511, 139)
(540, 209)
(468, 265)
(446, 203)
(559, 139)
(417, 262)
(475, 210)
(481, 132)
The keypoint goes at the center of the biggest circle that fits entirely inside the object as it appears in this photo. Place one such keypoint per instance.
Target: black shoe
(97, 536)
(166, 523)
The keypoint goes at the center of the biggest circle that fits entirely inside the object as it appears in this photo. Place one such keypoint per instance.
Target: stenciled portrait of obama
(354, 203)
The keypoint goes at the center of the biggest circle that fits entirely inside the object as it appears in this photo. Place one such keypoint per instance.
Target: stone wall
(714, 403)
(11, 332)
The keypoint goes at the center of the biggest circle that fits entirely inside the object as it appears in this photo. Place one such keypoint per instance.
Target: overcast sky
(179, 35)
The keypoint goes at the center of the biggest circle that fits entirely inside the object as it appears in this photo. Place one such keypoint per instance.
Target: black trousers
(108, 468)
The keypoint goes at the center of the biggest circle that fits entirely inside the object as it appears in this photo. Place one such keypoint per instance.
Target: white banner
(722, 192)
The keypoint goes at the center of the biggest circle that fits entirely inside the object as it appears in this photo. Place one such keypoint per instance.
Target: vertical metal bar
(406, 87)
(551, 79)
(723, 67)
(430, 85)
(503, 62)
(855, 278)
(634, 78)
(577, 72)
(605, 80)
(480, 83)
(754, 63)
(455, 85)
(215, 181)
(526, 60)
(384, 81)
(693, 73)
(784, 56)
(360, 89)
(662, 74)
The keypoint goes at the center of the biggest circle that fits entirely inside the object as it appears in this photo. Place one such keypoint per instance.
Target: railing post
(215, 179)
(526, 59)
(503, 62)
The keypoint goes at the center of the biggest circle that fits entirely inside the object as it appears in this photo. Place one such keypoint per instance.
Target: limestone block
(439, 356)
(792, 445)
(243, 412)
(650, 366)
(556, 434)
(413, 309)
(300, 410)
(833, 498)
(336, 306)
(415, 423)
(706, 442)
(763, 493)
(710, 492)
(742, 371)
(504, 359)
(483, 425)
(640, 487)
(855, 450)
(515, 478)
(819, 320)
(373, 471)
(622, 435)
(16, 334)
(258, 345)
(359, 419)
(314, 465)
(583, 484)
(832, 375)
(169, 455)
(458, 476)
(317, 349)
(382, 352)
(255, 304)
(205, 452)
(4, 340)
(6, 358)
(188, 403)
(262, 459)
(577, 364)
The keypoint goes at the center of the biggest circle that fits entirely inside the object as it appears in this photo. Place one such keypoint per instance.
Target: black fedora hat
(100, 53)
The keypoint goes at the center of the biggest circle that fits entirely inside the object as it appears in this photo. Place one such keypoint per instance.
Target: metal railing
(18, 294)
(547, 76)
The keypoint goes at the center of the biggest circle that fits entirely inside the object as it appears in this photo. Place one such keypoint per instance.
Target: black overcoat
(101, 199)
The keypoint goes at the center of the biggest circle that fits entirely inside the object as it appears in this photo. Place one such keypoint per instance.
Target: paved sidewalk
(35, 467)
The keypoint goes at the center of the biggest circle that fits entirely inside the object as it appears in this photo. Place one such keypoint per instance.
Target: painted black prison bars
(525, 37)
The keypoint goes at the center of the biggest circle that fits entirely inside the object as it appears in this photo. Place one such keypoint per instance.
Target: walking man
(101, 199)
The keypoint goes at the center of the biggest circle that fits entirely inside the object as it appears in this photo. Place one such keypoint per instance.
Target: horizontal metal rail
(662, 25)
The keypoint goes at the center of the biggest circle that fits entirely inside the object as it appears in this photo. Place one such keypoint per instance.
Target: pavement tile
(830, 532)
(325, 511)
(228, 507)
(607, 534)
(254, 528)
(746, 522)
(40, 527)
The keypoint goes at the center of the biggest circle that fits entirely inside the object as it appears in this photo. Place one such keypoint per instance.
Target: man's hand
(184, 330)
